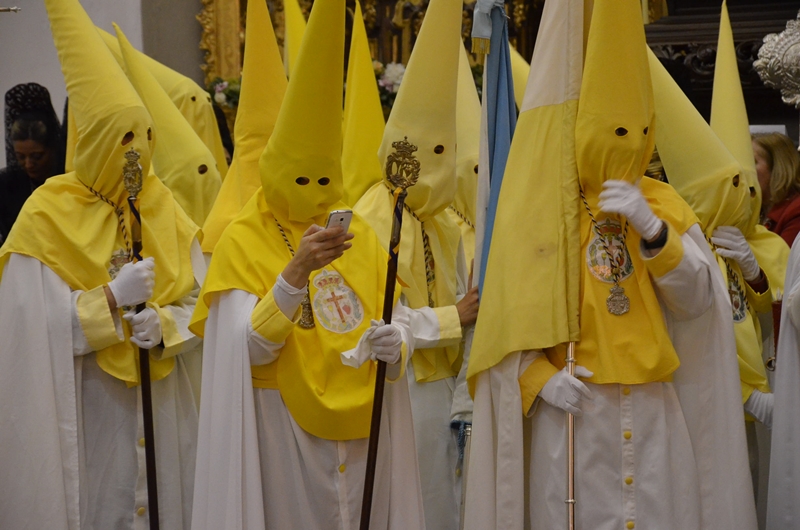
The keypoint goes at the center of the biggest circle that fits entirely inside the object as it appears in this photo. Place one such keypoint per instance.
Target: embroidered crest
(600, 264)
(118, 259)
(738, 301)
(336, 305)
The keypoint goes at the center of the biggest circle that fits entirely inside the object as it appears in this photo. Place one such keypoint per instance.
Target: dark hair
(30, 128)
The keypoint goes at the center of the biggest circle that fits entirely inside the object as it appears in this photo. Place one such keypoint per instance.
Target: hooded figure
(190, 98)
(72, 427)
(263, 88)
(431, 267)
(711, 180)
(291, 318)
(182, 161)
(659, 440)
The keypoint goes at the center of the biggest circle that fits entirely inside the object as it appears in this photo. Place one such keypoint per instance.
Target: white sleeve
(687, 290)
(287, 297)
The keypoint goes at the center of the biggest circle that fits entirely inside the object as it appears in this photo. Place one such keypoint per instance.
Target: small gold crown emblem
(132, 173)
(402, 167)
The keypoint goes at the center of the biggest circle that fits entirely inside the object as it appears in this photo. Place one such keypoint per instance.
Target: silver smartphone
(340, 218)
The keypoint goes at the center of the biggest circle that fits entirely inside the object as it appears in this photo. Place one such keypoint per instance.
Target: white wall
(28, 54)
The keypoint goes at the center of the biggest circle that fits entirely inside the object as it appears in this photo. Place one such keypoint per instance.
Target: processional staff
(402, 172)
(132, 180)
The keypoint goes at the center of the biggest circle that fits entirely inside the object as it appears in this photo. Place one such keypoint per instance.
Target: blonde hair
(784, 164)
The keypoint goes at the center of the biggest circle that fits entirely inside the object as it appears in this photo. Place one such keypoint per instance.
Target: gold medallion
(307, 316)
(618, 302)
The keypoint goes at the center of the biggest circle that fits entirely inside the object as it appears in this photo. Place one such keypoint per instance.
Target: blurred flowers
(225, 93)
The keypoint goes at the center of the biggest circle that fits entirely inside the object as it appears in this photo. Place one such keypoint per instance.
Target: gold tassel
(481, 46)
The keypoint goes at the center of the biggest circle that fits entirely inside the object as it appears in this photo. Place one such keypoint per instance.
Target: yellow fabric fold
(363, 117)
(430, 364)
(262, 91)
(468, 134)
(96, 320)
(295, 27)
(270, 322)
(533, 379)
(540, 186)
(424, 113)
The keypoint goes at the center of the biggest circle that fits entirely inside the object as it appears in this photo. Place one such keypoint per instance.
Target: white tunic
(71, 435)
(783, 505)
(434, 405)
(257, 469)
(681, 444)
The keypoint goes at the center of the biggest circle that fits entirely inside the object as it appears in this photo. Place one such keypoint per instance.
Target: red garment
(784, 219)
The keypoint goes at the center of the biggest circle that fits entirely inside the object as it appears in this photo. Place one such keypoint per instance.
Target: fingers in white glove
(386, 343)
(134, 283)
(732, 244)
(567, 392)
(145, 327)
(626, 199)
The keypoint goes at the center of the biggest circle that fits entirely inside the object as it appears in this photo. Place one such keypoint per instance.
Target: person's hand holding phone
(318, 247)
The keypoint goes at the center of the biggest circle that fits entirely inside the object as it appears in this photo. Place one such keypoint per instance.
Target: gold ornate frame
(221, 38)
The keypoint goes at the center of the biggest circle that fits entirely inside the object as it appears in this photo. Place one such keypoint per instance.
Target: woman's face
(34, 158)
(763, 171)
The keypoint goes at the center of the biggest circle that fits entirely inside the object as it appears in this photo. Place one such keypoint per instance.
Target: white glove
(626, 199)
(759, 405)
(134, 283)
(386, 342)
(145, 327)
(731, 244)
(566, 392)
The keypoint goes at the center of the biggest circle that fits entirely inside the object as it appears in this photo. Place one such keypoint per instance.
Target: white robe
(687, 453)
(257, 469)
(434, 405)
(71, 452)
(783, 504)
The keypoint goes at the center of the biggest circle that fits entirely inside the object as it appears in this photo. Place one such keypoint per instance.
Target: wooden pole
(380, 377)
(147, 394)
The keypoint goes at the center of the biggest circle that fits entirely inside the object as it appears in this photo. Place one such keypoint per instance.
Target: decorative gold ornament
(132, 173)
(778, 62)
(402, 167)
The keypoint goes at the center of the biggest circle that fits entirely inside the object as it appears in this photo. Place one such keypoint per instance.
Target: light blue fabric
(501, 113)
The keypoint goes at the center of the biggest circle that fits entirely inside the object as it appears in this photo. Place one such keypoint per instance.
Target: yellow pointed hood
(614, 133)
(363, 117)
(520, 71)
(468, 121)
(729, 121)
(696, 162)
(192, 100)
(729, 114)
(425, 109)
(301, 167)
(182, 161)
(103, 103)
(294, 28)
(260, 99)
